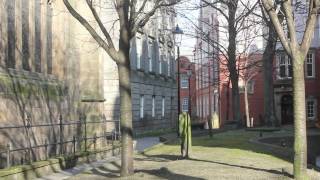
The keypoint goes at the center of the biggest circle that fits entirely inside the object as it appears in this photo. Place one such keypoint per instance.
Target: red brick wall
(184, 93)
(256, 109)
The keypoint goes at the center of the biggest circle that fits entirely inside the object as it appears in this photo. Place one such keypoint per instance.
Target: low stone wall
(43, 168)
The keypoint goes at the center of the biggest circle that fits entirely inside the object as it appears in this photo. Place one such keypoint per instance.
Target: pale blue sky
(188, 13)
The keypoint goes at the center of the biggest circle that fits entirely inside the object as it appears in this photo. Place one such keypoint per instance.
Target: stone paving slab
(78, 169)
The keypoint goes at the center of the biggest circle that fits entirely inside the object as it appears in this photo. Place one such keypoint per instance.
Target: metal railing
(81, 140)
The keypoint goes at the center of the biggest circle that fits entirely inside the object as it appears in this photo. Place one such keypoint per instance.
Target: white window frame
(250, 86)
(139, 45)
(141, 106)
(185, 104)
(286, 64)
(307, 62)
(150, 54)
(169, 62)
(184, 82)
(160, 59)
(163, 106)
(314, 101)
(153, 113)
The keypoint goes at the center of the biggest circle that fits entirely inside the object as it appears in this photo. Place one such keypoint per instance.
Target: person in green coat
(185, 134)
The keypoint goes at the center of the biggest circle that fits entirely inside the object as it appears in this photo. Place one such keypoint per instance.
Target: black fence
(77, 143)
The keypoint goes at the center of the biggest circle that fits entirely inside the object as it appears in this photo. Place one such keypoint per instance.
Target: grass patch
(227, 155)
(264, 129)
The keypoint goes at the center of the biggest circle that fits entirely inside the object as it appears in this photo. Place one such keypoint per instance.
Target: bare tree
(235, 17)
(297, 51)
(131, 15)
(268, 56)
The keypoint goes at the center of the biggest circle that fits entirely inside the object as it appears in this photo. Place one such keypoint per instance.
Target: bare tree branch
(111, 51)
(102, 27)
(275, 20)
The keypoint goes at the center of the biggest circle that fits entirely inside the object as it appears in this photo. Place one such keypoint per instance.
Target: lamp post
(177, 31)
(189, 73)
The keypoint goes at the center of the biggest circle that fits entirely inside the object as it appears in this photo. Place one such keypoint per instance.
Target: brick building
(253, 78)
(187, 86)
(207, 65)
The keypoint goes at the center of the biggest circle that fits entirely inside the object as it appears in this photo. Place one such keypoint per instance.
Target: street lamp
(176, 32)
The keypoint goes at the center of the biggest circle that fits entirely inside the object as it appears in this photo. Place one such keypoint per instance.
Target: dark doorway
(287, 109)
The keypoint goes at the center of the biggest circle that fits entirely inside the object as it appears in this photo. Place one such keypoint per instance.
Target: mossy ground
(227, 155)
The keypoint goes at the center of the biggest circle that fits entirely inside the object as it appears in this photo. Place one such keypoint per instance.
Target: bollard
(94, 141)
(106, 136)
(61, 134)
(46, 148)
(119, 129)
(8, 155)
(85, 133)
(74, 145)
(112, 143)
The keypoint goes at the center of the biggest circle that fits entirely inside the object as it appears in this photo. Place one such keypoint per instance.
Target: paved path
(142, 144)
(77, 170)
(146, 142)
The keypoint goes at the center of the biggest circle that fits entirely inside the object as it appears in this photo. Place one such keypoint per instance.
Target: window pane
(309, 58)
(163, 106)
(150, 54)
(184, 82)
(289, 70)
(141, 106)
(10, 60)
(282, 71)
(139, 52)
(185, 104)
(309, 70)
(310, 109)
(153, 106)
(282, 59)
(37, 34)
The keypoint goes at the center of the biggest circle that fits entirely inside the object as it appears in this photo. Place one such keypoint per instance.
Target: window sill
(140, 70)
(310, 77)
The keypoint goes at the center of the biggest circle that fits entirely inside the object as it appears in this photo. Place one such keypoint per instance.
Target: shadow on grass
(164, 158)
(248, 167)
(238, 139)
(163, 172)
(167, 174)
(158, 158)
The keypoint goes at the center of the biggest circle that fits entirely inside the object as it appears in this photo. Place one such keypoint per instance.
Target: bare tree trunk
(300, 135)
(232, 66)
(126, 121)
(125, 104)
(247, 104)
(228, 101)
(268, 56)
(235, 99)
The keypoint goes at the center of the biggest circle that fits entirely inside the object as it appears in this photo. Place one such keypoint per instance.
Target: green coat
(185, 128)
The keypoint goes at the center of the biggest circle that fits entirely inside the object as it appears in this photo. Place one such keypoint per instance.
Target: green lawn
(227, 155)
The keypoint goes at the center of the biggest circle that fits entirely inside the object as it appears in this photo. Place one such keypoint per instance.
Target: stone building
(40, 79)
(50, 66)
(153, 76)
